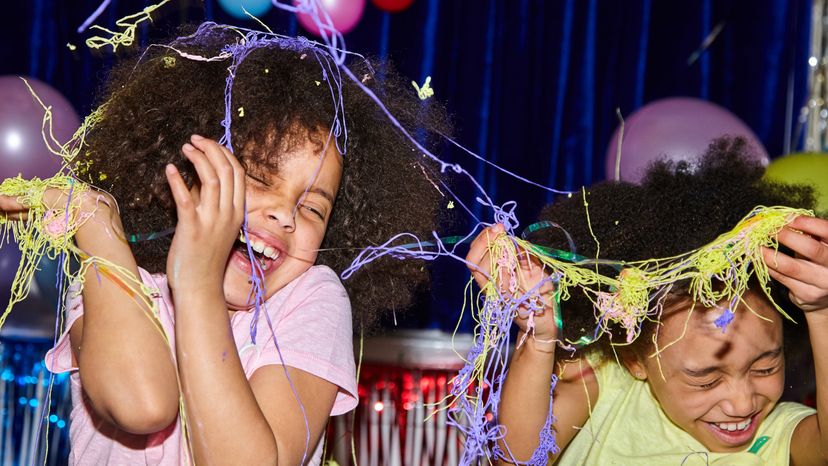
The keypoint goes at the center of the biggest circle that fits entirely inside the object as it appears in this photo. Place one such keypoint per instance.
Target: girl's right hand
(531, 273)
(12, 209)
(100, 204)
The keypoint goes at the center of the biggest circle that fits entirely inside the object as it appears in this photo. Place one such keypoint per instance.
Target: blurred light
(408, 405)
(13, 141)
(61, 424)
(33, 402)
(378, 406)
(812, 61)
(22, 400)
(53, 418)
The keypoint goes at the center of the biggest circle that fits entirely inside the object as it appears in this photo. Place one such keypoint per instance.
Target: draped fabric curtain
(533, 85)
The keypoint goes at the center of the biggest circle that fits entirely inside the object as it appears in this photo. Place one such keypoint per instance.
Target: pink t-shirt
(311, 319)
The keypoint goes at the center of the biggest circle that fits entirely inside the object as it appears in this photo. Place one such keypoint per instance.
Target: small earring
(639, 375)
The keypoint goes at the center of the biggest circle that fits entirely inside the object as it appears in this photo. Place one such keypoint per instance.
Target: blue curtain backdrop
(533, 85)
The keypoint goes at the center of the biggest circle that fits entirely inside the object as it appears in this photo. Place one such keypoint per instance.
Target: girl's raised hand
(12, 209)
(530, 274)
(92, 201)
(209, 216)
(806, 274)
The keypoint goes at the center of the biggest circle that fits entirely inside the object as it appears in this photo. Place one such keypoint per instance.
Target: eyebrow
(709, 370)
(256, 178)
(322, 193)
(319, 191)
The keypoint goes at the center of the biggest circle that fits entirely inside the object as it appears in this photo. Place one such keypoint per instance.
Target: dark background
(533, 85)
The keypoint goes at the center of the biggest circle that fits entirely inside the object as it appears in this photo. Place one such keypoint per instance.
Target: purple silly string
(500, 312)
(239, 52)
(257, 294)
(470, 418)
(546, 437)
(93, 16)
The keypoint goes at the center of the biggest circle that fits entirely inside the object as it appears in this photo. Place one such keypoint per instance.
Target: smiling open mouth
(734, 433)
(264, 254)
(733, 426)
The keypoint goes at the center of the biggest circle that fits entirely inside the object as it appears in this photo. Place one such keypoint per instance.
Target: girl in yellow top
(712, 396)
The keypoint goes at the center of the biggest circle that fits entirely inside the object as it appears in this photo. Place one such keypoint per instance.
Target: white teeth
(259, 246)
(733, 426)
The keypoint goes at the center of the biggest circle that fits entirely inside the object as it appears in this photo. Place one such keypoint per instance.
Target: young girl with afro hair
(317, 172)
(685, 392)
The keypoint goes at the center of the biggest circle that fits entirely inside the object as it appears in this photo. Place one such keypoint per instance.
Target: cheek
(681, 404)
(310, 239)
(770, 387)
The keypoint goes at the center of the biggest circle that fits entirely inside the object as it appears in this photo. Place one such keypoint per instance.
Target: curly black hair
(678, 207)
(280, 97)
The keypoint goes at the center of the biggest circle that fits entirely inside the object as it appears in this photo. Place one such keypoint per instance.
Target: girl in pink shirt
(316, 172)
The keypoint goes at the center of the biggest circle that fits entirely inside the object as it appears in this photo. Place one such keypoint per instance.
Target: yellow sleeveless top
(628, 427)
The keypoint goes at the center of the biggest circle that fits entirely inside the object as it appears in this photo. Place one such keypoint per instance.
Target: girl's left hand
(806, 274)
(209, 216)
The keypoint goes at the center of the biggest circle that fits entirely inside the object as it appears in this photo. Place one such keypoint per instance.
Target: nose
(740, 402)
(284, 215)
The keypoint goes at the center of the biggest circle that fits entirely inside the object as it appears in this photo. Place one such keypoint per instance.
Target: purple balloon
(678, 128)
(345, 14)
(22, 149)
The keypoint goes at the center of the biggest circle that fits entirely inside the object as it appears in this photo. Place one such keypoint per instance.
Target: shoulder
(318, 281)
(789, 432)
(784, 419)
(316, 298)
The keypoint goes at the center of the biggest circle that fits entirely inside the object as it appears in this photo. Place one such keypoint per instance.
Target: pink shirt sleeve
(59, 358)
(311, 322)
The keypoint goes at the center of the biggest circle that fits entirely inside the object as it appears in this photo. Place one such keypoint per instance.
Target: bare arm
(806, 276)
(525, 399)
(125, 365)
(524, 403)
(231, 420)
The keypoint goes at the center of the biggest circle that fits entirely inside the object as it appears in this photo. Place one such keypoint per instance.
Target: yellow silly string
(719, 271)
(69, 150)
(129, 24)
(636, 293)
(46, 230)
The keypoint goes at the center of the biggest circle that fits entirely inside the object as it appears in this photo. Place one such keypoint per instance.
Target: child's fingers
(181, 195)
(239, 180)
(13, 216)
(209, 180)
(814, 226)
(801, 270)
(10, 204)
(222, 167)
(479, 249)
(804, 295)
(805, 245)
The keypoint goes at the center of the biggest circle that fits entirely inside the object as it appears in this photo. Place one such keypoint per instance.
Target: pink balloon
(678, 128)
(345, 14)
(22, 149)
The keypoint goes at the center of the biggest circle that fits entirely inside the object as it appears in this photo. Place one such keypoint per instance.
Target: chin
(237, 292)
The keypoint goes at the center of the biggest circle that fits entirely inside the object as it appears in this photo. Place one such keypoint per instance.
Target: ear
(634, 365)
